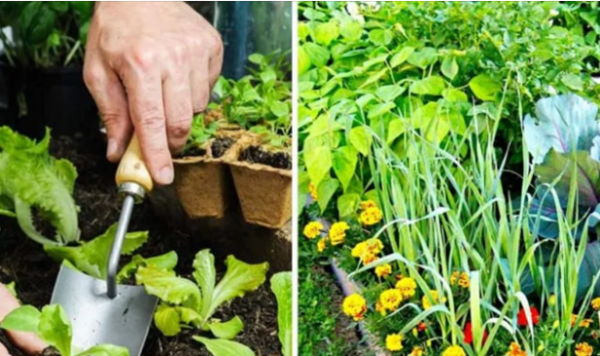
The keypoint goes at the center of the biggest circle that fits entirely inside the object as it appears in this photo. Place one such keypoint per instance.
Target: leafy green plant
(281, 285)
(52, 326)
(200, 133)
(47, 34)
(32, 181)
(192, 303)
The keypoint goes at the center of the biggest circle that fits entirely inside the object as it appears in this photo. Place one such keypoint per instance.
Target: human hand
(150, 66)
(28, 342)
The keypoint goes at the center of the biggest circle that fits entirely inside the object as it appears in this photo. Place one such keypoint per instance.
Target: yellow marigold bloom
(454, 350)
(436, 300)
(390, 299)
(322, 244)
(313, 191)
(515, 350)
(364, 205)
(393, 342)
(460, 278)
(383, 270)
(313, 229)
(374, 245)
(407, 286)
(337, 233)
(369, 258)
(596, 303)
(355, 306)
(584, 323)
(552, 300)
(583, 349)
(417, 351)
(380, 309)
(371, 216)
(359, 249)
(367, 249)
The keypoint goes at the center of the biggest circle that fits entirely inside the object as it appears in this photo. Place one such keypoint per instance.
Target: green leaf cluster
(191, 303)
(52, 326)
(47, 33)
(31, 180)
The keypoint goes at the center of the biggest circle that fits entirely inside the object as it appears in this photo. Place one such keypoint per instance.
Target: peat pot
(47, 97)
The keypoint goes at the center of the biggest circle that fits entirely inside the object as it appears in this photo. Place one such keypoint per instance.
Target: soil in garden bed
(220, 146)
(254, 154)
(23, 261)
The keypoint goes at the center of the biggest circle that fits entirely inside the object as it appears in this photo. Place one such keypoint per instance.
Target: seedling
(189, 303)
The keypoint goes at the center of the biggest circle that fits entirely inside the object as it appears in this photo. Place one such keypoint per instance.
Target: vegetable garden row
(450, 174)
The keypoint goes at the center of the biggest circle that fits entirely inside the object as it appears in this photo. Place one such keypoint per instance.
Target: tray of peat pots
(262, 175)
(202, 179)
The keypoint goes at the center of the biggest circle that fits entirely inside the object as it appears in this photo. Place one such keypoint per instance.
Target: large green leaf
(318, 55)
(347, 204)
(351, 30)
(166, 319)
(25, 318)
(55, 328)
(37, 22)
(167, 261)
(401, 56)
(224, 347)
(485, 87)
(281, 285)
(361, 139)
(433, 85)
(239, 279)
(318, 163)
(344, 163)
(325, 33)
(325, 192)
(167, 286)
(205, 275)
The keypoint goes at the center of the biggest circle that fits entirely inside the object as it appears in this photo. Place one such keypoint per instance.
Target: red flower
(522, 318)
(422, 326)
(469, 334)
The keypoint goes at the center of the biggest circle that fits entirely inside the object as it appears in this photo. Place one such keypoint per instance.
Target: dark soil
(193, 151)
(23, 261)
(282, 160)
(220, 146)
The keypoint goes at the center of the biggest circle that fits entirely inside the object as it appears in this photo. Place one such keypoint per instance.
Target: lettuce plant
(52, 326)
(32, 180)
(192, 303)
(281, 285)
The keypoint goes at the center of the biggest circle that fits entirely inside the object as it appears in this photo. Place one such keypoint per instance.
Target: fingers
(144, 90)
(178, 110)
(27, 342)
(3, 351)
(108, 93)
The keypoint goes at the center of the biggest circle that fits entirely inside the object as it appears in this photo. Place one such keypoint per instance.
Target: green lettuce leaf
(91, 257)
(228, 329)
(205, 275)
(30, 178)
(239, 279)
(55, 328)
(167, 320)
(105, 350)
(224, 347)
(25, 318)
(281, 285)
(167, 286)
(167, 261)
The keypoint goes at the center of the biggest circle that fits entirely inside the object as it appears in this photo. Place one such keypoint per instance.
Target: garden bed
(24, 262)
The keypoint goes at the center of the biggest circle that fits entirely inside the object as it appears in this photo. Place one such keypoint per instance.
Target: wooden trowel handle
(132, 168)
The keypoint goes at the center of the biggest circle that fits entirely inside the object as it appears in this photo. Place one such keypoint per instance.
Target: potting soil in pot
(24, 262)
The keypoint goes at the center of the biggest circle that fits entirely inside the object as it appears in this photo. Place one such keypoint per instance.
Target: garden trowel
(103, 312)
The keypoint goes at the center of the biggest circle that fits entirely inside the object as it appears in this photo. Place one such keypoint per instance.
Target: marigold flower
(374, 245)
(364, 205)
(313, 191)
(515, 350)
(583, 349)
(367, 248)
(369, 258)
(371, 216)
(407, 286)
(393, 342)
(313, 229)
(460, 278)
(390, 299)
(355, 306)
(584, 323)
(522, 317)
(322, 244)
(337, 232)
(383, 270)
(454, 350)
(596, 304)
(422, 326)
(417, 351)
(427, 303)
(380, 309)
(469, 334)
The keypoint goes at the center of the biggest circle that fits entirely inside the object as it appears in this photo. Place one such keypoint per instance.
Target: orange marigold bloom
(515, 350)
(583, 349)
(313, 191)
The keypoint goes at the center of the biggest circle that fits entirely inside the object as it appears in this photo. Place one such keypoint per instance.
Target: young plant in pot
(42, 67)
(262, 173)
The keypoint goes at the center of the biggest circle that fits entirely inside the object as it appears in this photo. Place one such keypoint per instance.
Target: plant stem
(4, 41)
(72, 53)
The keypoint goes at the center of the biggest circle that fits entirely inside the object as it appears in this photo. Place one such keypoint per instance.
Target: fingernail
(112, 148)
(166, 175)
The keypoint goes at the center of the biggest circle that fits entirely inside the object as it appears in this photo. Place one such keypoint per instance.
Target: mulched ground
(24, 262)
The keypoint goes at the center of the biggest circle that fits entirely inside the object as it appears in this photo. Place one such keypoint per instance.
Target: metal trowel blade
(97, 319)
